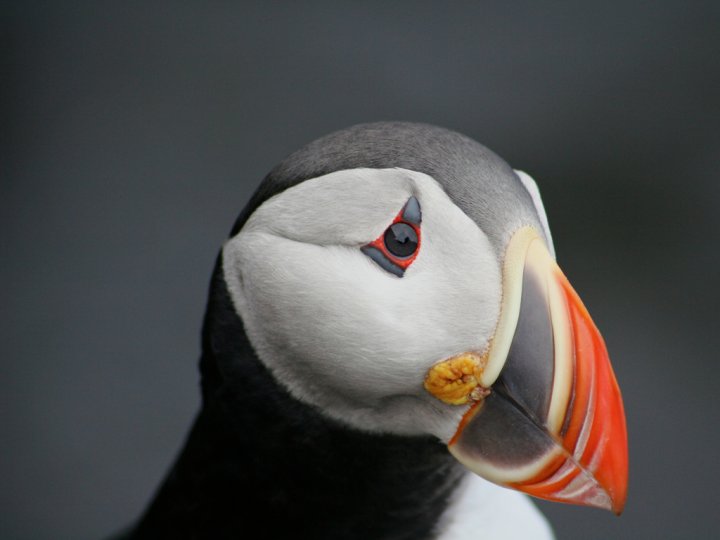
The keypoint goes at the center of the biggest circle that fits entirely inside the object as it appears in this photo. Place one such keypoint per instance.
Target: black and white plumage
(314, 422)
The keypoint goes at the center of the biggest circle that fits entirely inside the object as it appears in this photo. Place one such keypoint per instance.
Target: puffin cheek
(352, 336)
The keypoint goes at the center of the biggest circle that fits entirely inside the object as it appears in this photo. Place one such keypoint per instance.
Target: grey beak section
(501, 434)
(527, 377)
(507, 431)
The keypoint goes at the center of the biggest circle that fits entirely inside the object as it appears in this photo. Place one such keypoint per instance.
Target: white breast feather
(481, 509)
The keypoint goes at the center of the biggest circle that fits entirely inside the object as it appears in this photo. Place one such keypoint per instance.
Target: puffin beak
(545, 416)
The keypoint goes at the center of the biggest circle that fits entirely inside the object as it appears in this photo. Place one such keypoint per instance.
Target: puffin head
(400, 278)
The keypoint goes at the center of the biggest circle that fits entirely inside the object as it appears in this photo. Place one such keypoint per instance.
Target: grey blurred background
(133, 133)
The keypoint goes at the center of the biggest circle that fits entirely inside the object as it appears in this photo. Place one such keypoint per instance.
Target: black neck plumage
(259, 464)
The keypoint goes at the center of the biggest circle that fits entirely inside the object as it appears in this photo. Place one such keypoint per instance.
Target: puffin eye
(401, 240)
(397, 247)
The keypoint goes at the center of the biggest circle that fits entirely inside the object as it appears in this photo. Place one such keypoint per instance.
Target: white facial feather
(339, 331)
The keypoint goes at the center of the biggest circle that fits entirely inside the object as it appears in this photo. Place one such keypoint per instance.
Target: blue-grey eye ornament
(396, 248)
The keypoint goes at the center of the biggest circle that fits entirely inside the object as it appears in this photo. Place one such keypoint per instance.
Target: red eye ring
(404, 238)
(381, 245)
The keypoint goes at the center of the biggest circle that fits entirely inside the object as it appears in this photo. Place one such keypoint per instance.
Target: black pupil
(401, 240)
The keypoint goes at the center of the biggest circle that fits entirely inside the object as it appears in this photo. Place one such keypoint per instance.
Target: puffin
(391, 352)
